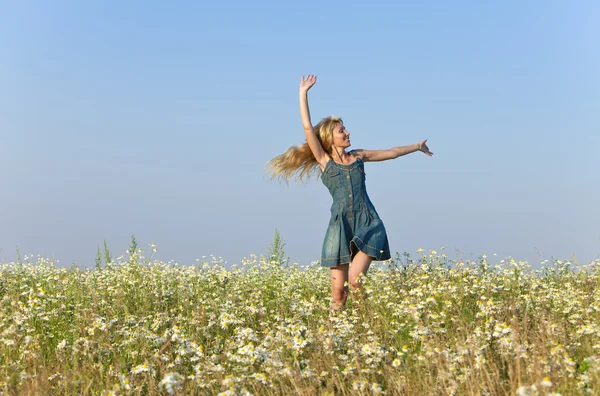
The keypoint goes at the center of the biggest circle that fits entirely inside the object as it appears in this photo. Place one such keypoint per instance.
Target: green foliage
(98, 259)
(134, 245)
(107, 255)
(277, 250)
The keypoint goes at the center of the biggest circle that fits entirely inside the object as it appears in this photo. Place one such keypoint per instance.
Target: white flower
(546, 383)
(376, 388)
(125, 383)
(227, 381)
(54, 376)
(140, 369)
(527, 390)
(359, 385)
(171, 383)
(61, 345)
(367, 350)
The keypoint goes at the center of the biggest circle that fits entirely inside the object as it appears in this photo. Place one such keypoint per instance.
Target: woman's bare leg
(339, 290)
(358, 268)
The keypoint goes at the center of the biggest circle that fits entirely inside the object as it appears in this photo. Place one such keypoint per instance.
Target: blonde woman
(355, 235)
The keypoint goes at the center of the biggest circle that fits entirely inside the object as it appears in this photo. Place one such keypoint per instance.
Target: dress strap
(353, 153)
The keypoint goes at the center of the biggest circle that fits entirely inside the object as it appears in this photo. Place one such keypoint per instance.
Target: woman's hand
(307, 82)
(423, 147)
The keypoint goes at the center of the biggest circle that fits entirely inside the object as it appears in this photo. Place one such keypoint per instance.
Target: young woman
(355, 235)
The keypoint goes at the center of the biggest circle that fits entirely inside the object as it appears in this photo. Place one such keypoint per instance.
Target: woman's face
(341, 137)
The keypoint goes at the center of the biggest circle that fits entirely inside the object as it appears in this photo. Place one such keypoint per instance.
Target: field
(424, 326)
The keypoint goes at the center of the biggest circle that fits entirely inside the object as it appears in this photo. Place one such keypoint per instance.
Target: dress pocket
(373, 218)
(335, 218)
(334, 172)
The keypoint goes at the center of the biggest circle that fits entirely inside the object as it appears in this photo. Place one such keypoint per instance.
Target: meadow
(423, 326)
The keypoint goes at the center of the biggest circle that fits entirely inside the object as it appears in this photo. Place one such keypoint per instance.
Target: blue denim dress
(355, 224)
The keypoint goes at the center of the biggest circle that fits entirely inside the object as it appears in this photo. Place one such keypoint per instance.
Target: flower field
(428, 326)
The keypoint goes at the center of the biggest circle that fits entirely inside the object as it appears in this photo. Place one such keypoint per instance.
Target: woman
(355, 235)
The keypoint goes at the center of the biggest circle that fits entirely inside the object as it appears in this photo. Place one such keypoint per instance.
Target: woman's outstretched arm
(393, 153)
(311, 136)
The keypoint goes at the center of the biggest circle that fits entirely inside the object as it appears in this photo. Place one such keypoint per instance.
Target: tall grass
(429, 327)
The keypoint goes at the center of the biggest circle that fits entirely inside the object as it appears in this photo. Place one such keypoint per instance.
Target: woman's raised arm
(311, 137)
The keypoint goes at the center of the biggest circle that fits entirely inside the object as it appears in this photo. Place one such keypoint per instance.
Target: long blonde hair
(298, 161)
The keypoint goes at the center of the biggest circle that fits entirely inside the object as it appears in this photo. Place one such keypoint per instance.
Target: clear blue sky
(157, 119)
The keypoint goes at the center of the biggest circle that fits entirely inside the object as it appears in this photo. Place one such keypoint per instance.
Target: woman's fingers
(307, 82)
(423, 147)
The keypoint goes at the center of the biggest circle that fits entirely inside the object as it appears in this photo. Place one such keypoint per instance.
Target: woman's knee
(355, 281)
(339, 293)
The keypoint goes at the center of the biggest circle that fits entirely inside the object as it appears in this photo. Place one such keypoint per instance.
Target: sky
(157, 119)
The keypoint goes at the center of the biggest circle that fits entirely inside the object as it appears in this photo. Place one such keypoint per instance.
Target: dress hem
(374, 253)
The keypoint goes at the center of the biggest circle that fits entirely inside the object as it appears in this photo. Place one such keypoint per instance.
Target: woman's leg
(359, 267)
(339, 290)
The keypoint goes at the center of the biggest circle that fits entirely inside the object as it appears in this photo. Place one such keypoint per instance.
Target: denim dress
(354, 224)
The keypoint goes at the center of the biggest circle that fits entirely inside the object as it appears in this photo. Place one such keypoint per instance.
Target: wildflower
(307, 373)
(125, 383)
(171, 382)
(570, 365)
(227, 381)
(396, 363)
(546, 383)
(359, 385)
(261, 377)
(142, 368)
(376, 388)
(54, 376)
(527, 390)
